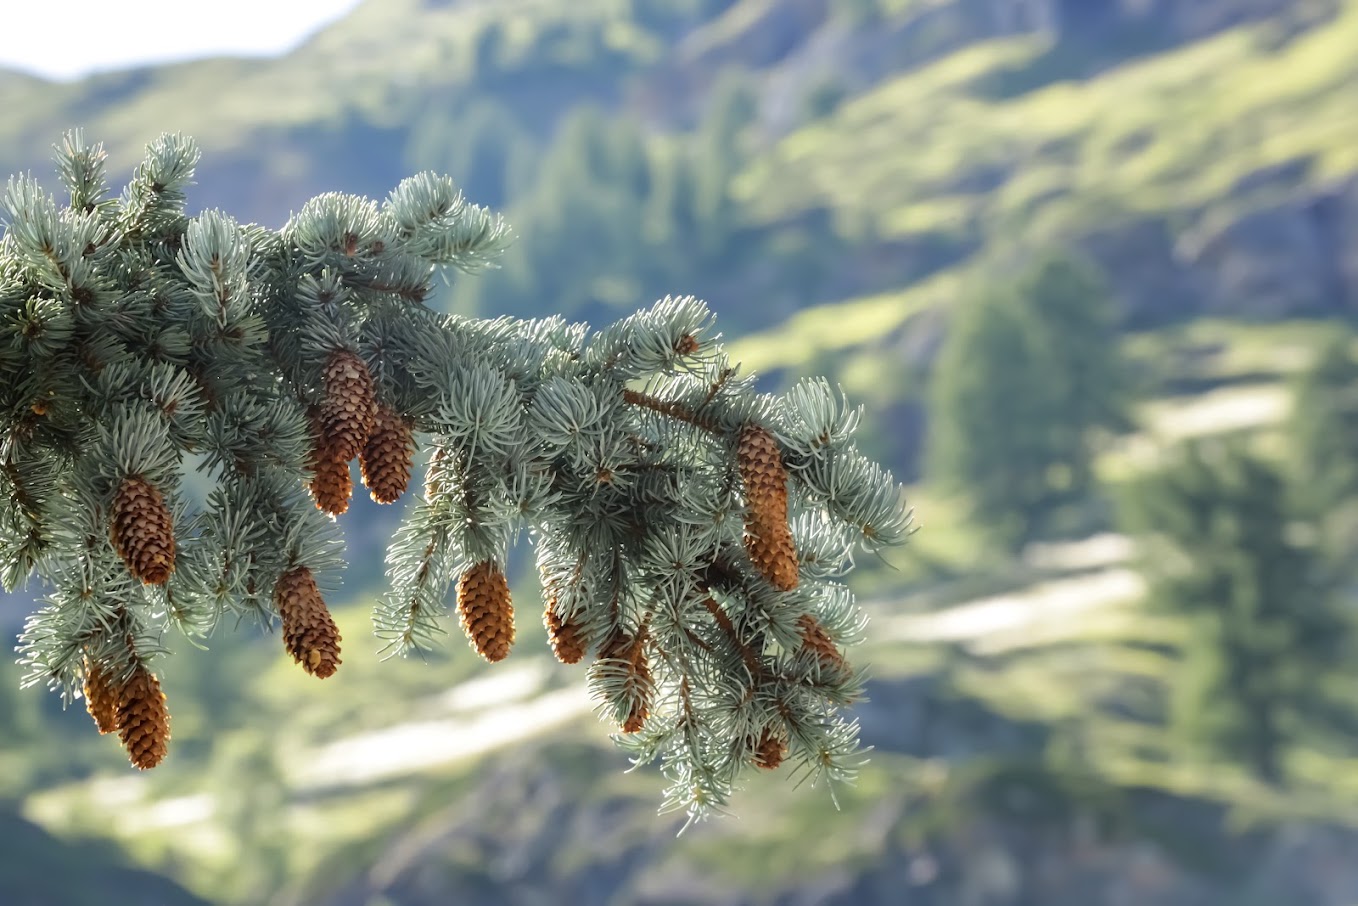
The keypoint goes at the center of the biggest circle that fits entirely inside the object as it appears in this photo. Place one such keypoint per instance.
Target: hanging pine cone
(388, 456)
(101, 697)
(640, 684)
(774, 554)
(309, 632)
(816, 640)
(769, 751)
(486, 610)
(332, 484)
(638, 688)
(142, 530)
(768, 537)
(350, 404)
(567, 637)
(143, 720)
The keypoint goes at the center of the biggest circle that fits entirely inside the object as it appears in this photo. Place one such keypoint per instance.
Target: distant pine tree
(1324, 425)
(1027, 375)
(1264, 634)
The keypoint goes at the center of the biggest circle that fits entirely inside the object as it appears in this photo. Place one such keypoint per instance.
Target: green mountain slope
(962, 145)
(900, 152)
(1149, 163)
(336, 112)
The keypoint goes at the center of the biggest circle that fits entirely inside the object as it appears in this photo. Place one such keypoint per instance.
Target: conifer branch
(671, 409)
(652, 478)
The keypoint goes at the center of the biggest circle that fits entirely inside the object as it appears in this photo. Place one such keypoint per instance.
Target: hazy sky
(64, 39)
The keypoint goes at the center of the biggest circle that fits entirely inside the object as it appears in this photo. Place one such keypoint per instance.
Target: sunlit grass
(831, 329)
(932, 150)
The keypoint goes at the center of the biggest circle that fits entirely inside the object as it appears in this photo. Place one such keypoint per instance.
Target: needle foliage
(692, 534)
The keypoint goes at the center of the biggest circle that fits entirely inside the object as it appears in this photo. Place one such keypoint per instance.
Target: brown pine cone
(632, 649)
(486, 610)
(388, 456)
(309, 632)
(774, 554)
(769, 751)
(768, 538)
(815, 639)
(142, 530)
(101, 697)
(332, 484)
(143, 720)
(350, 404)
(566, 636)
(641, 684)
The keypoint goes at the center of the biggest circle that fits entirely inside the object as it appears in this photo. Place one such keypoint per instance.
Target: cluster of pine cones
(351, 422)
(134, 709)
(772, 550)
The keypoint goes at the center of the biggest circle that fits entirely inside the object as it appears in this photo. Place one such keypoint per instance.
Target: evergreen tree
(1076, 324)
(1027, 373)
(481, 144)
(719, 153)
(592, 182)
(1264, 635)
(1324, 425)
(991, 408)
(691, 534)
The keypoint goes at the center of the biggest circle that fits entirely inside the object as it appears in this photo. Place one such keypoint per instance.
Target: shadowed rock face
(1294, 255)
(1181, 20)
(38, 869)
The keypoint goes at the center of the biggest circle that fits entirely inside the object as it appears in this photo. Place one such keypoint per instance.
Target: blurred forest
(1091, 268)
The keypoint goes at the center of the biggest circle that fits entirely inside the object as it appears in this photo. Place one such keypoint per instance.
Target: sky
(66, 39)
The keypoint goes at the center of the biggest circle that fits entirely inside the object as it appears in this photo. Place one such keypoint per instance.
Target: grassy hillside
(957, 150)
(337, 112)
(999, 136)
(396, 769)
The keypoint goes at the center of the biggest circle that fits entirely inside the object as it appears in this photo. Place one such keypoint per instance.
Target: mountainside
(833, 176)
(1178, 142)
(891, 152)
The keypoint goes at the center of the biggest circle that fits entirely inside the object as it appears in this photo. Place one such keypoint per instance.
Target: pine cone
(142, 530)
(332, 484)
(101, 697)
(486, 610)
(566, 636)
(309, 632)
(143, 720)
(639, 688)
(641, 683)
(815, 639)
(350, 404)
(774, 554)
(768, 538)
(388, 456)
(769, 751)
